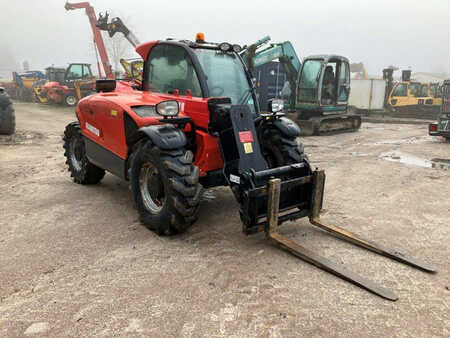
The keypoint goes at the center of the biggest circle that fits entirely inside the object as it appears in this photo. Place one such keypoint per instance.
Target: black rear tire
(82, 171)
(70, 99)
(7, 119)
(280, 150)
(166, 188)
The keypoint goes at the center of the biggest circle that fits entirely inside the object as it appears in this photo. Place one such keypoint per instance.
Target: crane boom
(98, 39)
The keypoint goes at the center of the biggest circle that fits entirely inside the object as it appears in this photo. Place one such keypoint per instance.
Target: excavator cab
(323, 89)
(323, 84)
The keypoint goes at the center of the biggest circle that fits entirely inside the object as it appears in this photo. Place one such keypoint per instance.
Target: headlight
(167, 108)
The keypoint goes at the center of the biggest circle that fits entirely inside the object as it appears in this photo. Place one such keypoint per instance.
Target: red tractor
(65, 86)
(195, 123)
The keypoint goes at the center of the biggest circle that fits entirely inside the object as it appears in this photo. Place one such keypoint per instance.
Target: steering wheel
(217, 91)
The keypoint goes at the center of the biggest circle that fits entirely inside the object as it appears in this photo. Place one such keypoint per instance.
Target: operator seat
(328, 88)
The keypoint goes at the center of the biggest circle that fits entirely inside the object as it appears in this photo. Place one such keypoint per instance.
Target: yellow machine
(133, 69)
(413, 96)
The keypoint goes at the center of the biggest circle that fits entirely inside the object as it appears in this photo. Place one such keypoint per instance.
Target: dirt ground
(75, 261)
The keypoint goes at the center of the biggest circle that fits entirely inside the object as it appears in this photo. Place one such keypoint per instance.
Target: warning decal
(248, 148)
(245, 136)
(92, 129)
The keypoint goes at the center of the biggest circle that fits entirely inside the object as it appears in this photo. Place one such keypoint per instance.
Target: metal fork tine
(354, 239)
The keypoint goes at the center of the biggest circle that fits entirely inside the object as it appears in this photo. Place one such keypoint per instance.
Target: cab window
(401, 90)
(423, 91)
(414, 88)
(87, 71)
(329, 83)
(309, 81)
(75, 72)
(344, 81)
(169, 68)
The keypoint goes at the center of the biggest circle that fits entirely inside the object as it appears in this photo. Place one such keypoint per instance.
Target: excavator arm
(255, 56)
(116, 25)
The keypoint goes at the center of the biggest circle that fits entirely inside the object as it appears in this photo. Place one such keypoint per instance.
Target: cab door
(343, 83)
(335, 82)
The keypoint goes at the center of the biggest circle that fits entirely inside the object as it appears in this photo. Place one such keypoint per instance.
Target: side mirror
(276, 105)
(105, 86)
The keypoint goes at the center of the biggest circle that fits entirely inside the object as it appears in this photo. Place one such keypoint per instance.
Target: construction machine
(65, 86)
(195, 123)
(318, 89)
(442, 126)
(409, 98)
(21, 88)
(134, 69)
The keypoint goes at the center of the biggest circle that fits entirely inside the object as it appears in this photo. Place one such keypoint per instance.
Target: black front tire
(82, 171)
(70, 99)
(280, 150)
(172, 205)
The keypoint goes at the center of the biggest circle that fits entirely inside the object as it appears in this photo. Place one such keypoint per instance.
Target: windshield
(225, 76)
(309, 81)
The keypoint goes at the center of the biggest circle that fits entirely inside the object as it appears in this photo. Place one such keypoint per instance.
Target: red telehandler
(195, 123)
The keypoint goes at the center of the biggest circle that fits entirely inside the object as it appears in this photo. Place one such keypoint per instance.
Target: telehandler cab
(195, 123)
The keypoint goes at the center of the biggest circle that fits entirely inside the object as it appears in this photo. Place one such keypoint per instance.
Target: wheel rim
(151, 187)
(71, 100)
(76, 153)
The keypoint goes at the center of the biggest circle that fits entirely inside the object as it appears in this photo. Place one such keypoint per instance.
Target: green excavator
(316, 91)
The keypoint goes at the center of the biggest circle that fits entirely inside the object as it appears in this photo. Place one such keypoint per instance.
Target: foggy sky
(405, 33)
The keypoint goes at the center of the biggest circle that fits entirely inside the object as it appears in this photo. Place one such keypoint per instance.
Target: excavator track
(327, 124)
(321, 262)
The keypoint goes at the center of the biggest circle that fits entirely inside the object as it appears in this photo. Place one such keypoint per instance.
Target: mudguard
(287, 127)
(165, 136)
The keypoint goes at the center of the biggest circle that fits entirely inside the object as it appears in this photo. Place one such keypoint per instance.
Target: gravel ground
(75, 261)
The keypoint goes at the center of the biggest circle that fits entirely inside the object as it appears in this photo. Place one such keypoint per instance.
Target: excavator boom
(115, 26)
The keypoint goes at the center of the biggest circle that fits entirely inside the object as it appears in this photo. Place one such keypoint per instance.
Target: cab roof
(144, 48)
(326, 57)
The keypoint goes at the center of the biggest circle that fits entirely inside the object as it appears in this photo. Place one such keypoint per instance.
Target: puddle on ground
(358, 154)
(409, 140)
(398, 156)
